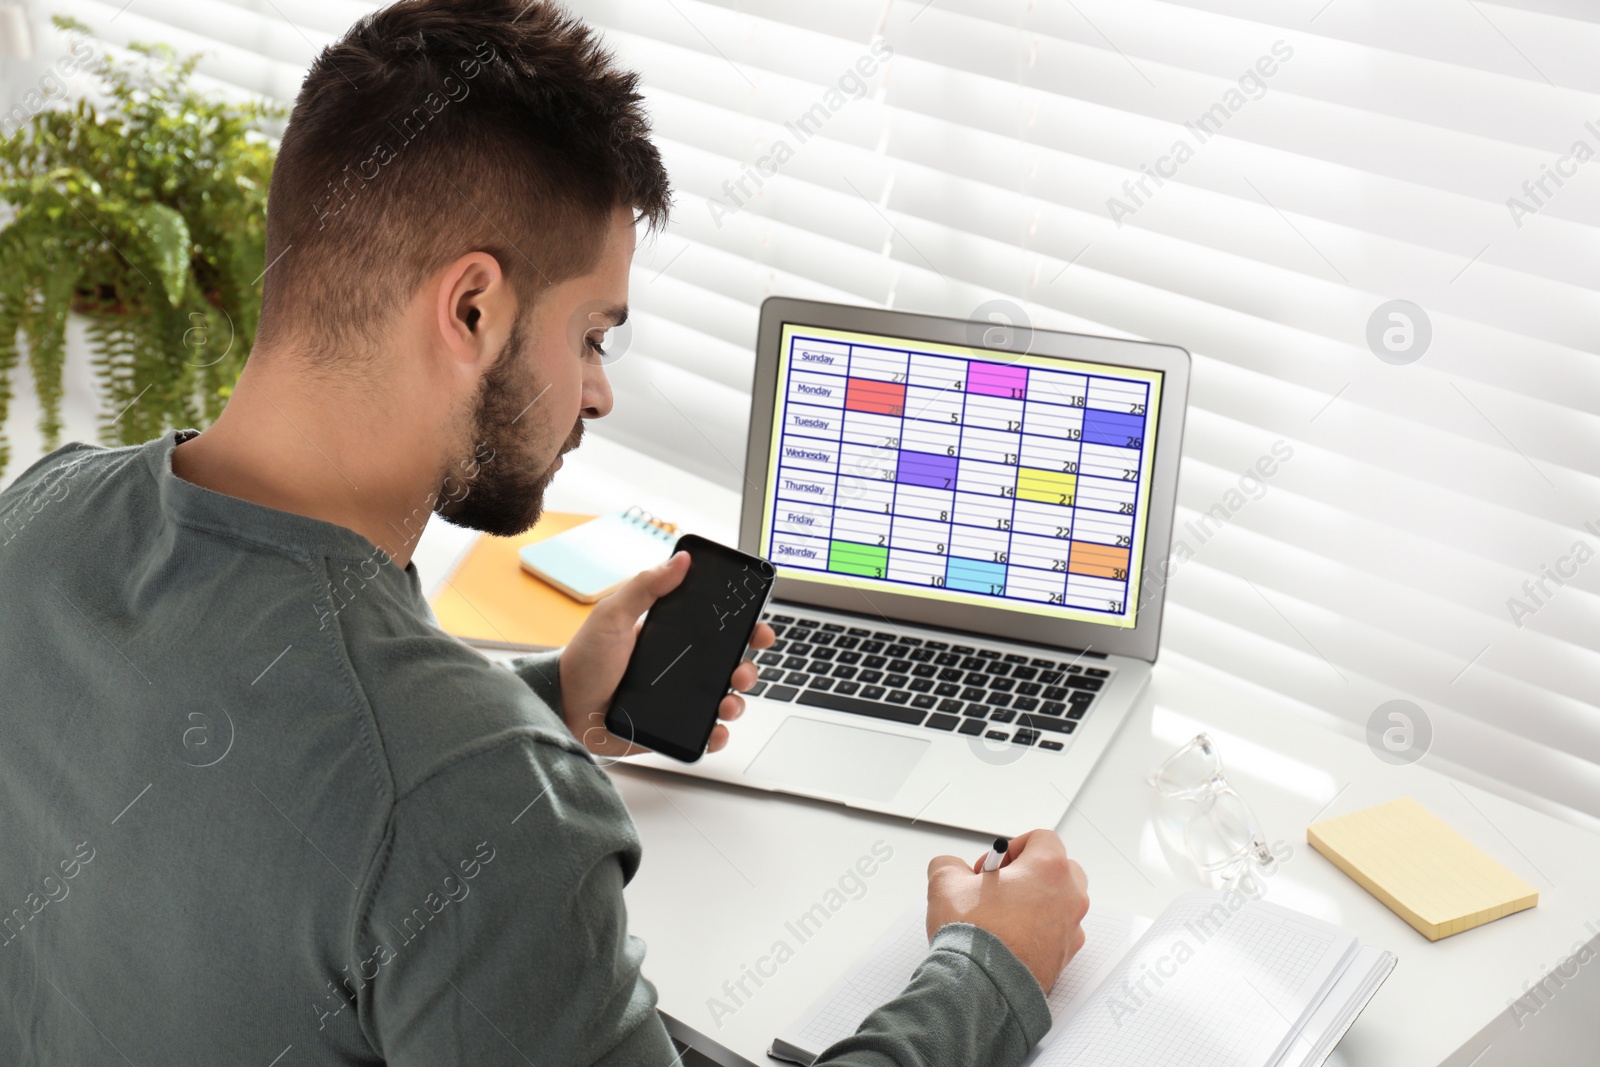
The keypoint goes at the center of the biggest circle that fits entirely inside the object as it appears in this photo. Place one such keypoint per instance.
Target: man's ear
(474, 307)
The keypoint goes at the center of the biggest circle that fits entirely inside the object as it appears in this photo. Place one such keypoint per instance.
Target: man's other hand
(1035, 902)
(593, 661)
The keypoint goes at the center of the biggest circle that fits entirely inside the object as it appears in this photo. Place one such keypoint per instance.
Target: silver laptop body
(969, 522)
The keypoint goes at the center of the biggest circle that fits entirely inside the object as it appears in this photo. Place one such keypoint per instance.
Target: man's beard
(504, 495)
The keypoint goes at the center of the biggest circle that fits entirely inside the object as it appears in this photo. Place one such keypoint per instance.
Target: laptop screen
(964, 475)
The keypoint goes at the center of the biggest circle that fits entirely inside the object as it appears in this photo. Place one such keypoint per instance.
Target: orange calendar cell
(1098, 561)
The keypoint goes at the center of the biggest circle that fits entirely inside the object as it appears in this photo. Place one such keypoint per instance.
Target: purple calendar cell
(1114, 428)
(925, 469)
(994, 379)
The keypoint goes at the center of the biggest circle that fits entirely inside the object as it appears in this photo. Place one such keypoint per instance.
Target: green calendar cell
(848, 557)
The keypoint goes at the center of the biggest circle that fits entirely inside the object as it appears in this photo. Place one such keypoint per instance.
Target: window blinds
(1256, 180)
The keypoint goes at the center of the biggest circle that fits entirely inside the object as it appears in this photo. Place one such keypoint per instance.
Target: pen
(996, 855)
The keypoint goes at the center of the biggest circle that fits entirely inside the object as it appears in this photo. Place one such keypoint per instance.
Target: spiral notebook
(590, 560)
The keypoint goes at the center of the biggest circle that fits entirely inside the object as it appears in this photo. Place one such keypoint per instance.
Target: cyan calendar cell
(976, 575)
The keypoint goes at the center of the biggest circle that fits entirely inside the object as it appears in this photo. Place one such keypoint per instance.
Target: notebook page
(1207, 986)
(600, 553)
(625, 544)
(1108, 936)
(1330, 1019)
(882, 973)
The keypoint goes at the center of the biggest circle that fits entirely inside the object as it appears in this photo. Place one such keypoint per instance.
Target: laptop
(968, 523)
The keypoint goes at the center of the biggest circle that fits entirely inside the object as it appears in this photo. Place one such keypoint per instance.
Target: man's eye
(595, 344)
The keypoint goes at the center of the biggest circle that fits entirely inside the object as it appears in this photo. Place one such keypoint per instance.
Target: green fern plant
(146, 213)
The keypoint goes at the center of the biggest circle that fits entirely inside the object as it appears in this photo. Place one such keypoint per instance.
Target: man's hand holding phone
(594, 660)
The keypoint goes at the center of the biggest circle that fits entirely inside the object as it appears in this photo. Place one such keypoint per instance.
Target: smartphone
(687, 649)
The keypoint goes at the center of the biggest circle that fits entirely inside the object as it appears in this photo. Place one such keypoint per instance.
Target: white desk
(724, 868)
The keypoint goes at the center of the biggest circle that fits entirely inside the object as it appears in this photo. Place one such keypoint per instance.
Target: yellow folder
(490, 600)
(1422, 870)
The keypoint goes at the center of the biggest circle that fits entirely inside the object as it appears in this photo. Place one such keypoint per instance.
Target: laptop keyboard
(1029, 700)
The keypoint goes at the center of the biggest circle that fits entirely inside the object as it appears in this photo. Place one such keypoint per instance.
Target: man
(257, 808)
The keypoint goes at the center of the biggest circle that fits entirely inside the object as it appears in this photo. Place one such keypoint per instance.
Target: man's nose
(596, 395)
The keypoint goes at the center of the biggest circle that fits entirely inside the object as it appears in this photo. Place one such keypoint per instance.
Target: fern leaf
(168, 237)
(10, 316)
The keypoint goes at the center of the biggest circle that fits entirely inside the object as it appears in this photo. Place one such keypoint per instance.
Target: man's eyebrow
(618, 315)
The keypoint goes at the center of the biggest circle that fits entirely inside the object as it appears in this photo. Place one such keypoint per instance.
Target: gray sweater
(255, 807)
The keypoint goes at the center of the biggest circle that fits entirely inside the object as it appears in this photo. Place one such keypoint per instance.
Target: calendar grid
(1058, 539)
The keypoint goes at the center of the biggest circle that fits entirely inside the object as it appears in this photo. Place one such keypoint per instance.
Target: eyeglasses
(1222, 834)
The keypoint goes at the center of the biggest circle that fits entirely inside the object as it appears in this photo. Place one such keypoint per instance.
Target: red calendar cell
(877, 398)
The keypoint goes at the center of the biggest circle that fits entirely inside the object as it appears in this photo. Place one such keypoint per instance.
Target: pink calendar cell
(997, 379)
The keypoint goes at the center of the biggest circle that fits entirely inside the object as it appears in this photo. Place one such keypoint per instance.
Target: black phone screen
(690, 643)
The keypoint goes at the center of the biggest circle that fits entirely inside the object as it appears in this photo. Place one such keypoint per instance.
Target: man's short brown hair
(435, 128)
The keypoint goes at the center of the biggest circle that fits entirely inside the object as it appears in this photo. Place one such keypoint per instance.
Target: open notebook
(1203, 985)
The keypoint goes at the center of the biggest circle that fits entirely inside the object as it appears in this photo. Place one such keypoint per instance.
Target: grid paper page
(1206, 986)
(883, 972)
(871, 982)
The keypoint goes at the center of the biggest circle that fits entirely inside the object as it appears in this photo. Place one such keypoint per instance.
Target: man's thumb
(638, 593)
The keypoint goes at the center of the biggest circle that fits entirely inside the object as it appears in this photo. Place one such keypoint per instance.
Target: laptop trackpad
(827, 757)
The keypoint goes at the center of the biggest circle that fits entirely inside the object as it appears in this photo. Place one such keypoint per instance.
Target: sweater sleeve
(970, 1002)
(542, 672)
(495, 931)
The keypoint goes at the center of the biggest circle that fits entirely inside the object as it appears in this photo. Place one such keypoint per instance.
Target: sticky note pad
(1422, 870)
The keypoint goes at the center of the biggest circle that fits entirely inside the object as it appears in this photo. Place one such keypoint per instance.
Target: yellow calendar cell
(1047, 487)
